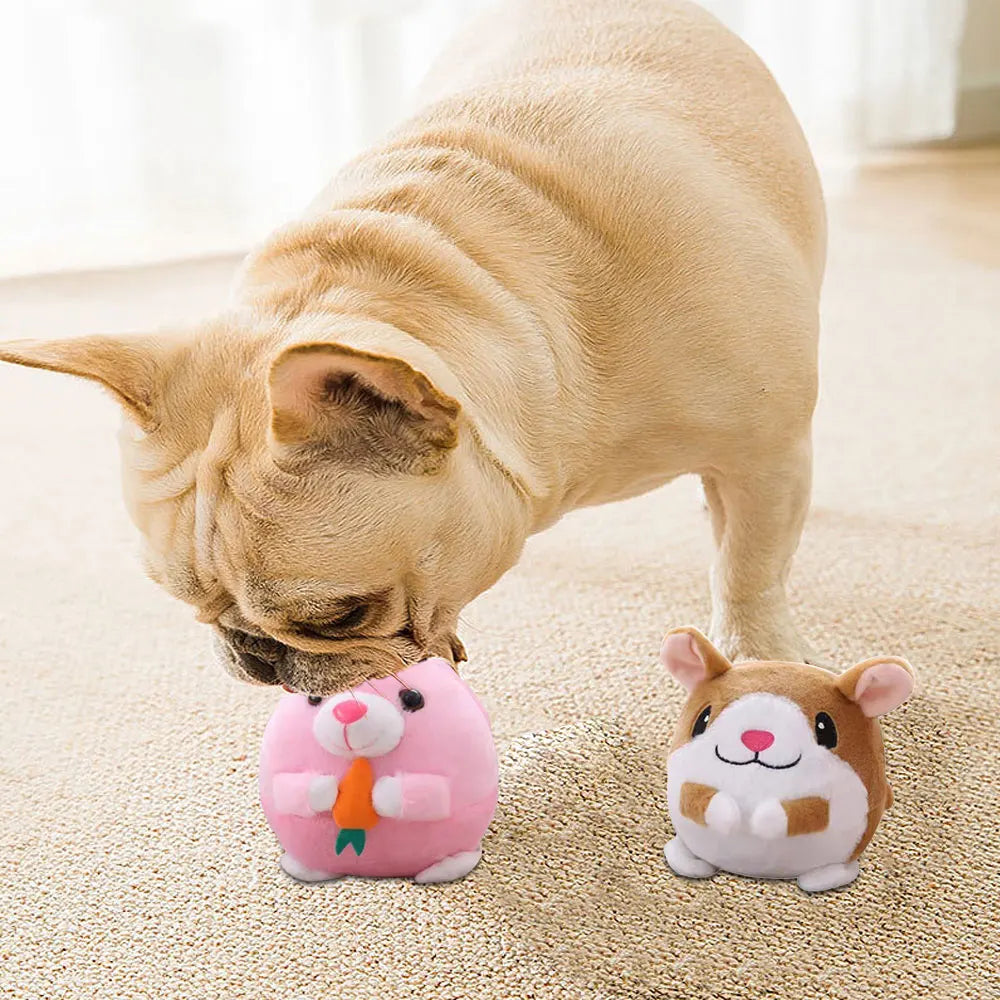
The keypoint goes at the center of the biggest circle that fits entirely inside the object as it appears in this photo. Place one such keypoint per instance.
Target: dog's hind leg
(757, 517)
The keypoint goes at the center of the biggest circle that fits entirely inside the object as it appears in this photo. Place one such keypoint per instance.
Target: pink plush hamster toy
(394, 778)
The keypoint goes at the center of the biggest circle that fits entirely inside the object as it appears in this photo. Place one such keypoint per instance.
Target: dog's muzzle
(263, 660)
(248, 657)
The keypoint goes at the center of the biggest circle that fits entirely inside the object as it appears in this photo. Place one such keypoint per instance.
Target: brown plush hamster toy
(776, 770)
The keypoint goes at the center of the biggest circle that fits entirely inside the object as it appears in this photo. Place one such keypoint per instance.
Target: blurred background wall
(140, 130)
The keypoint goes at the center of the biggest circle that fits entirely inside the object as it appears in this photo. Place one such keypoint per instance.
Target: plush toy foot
(829, 877)
(448, 869)
(301, 873)
(683, 862)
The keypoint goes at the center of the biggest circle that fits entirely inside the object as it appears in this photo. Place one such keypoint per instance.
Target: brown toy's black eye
(701, 723)
(826, 731)
(411, 700)
(314, 699)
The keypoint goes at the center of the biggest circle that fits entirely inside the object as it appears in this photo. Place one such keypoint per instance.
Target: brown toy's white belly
(745, 853)
(807, 810)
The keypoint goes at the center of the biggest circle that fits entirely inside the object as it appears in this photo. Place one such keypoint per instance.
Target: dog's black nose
(254, 658)
(257, 669)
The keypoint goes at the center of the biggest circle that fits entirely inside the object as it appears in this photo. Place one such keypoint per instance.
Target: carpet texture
(134, 860)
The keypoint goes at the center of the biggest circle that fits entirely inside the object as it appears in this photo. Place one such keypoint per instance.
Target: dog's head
(325, 508)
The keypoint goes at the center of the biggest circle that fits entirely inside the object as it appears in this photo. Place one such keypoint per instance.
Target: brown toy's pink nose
(757, 739)
(349, 711)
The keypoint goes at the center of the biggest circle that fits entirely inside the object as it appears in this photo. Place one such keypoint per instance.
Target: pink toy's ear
(691, 658)
(879, 685)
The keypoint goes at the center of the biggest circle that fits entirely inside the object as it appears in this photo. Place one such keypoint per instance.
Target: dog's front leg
(757, 517)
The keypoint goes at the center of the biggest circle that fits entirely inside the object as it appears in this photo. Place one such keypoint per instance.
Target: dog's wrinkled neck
(393, 283)
(222, 444)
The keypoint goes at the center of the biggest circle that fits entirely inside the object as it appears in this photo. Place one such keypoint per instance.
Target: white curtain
(138, 130)
(859, 73)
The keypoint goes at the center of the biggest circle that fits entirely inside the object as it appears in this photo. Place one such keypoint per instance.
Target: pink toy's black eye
(411, 700)
(314, 699)
(701, 723)
(826, 731)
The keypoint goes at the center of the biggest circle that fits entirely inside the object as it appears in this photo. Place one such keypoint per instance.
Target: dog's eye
(353, 617)
(348, 620)
(701, 723)
(826, 731)
(411, 699)
(314, 699)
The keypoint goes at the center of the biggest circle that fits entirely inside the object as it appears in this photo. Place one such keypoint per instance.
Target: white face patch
(358, 724)
(762, 730)
(765, 741)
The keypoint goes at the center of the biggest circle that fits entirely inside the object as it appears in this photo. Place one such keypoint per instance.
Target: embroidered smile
(755, 759)
(358, 750)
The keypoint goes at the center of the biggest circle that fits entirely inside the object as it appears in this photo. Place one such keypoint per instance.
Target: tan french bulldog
(590, 264)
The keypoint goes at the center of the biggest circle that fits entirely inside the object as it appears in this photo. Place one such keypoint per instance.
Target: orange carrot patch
(353, 809)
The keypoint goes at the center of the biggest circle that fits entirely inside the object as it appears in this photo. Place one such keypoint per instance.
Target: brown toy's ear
(878, 685)
(691, 658)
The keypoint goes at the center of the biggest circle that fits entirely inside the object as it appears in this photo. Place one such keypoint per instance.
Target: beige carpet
(134, 861)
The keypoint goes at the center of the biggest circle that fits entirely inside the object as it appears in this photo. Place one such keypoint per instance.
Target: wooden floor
(946, 196)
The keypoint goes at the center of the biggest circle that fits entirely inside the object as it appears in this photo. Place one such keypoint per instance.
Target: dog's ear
(129, 366)
(364, 407)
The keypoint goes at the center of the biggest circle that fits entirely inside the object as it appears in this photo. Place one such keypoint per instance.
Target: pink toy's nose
(756, 739)
(349, 711)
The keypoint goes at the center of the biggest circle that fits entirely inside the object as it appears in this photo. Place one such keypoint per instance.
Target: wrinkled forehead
(288, 525)
(310, 562)
(221, 527)
(322, 550)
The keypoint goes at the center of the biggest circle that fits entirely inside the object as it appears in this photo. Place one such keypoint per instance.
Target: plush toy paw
(769, 820)
(322, 793)
(722, 813)
(302, 873)
(829, 877)
(387, 796)
(448, 869)
(683, 862)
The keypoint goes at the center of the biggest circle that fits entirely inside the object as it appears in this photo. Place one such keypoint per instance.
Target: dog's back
(643, 219)
(601, 79)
